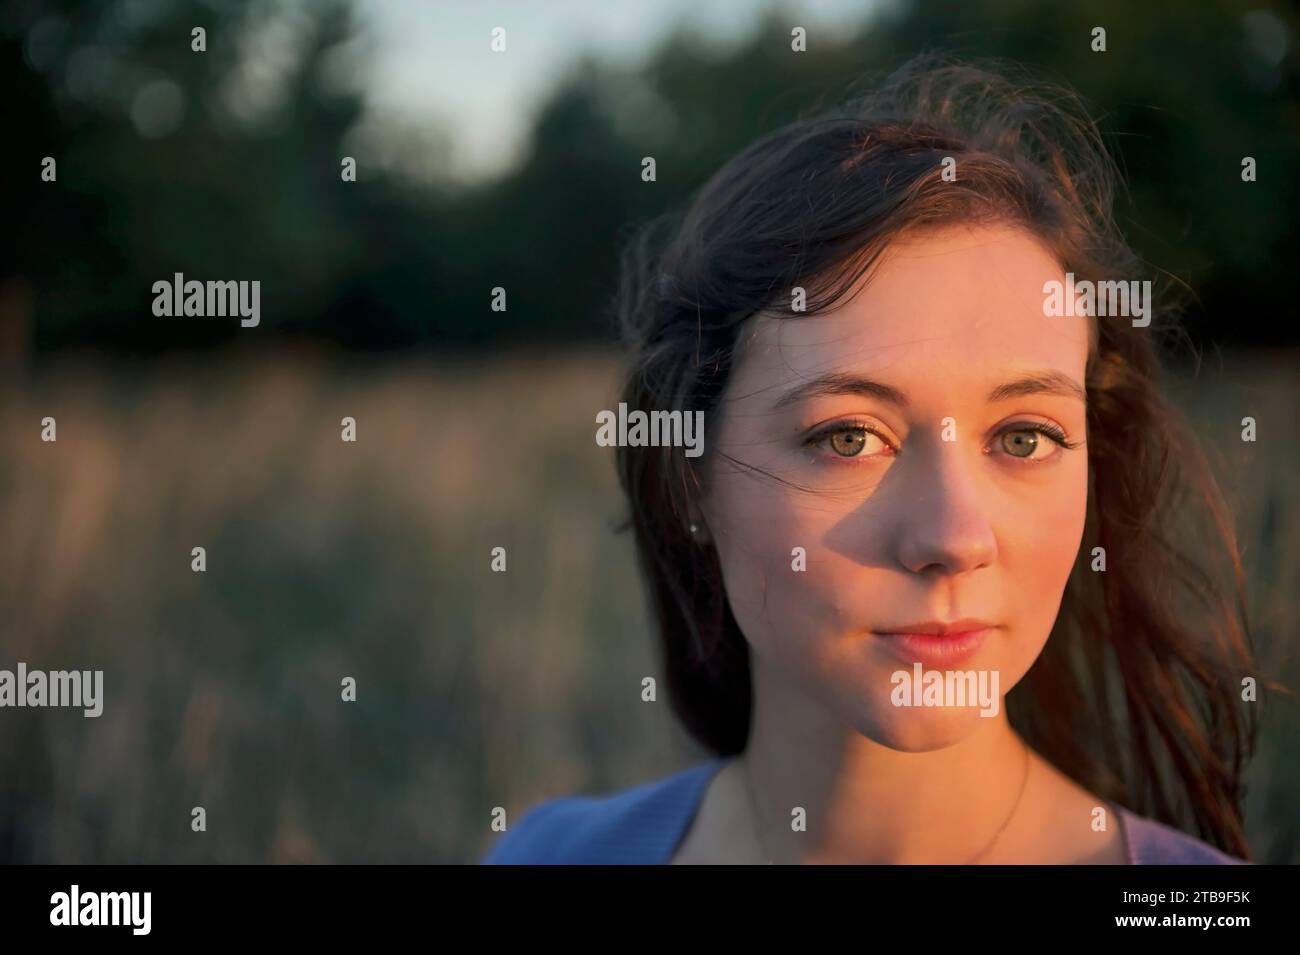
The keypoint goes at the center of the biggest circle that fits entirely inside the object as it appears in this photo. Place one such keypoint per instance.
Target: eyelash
(1051, 431)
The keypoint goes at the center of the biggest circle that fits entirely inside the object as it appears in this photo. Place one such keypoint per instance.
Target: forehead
(938, 307)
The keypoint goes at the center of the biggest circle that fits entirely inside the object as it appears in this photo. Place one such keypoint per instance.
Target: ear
(697, 527)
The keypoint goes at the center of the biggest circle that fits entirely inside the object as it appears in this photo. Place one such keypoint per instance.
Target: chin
(919, 730)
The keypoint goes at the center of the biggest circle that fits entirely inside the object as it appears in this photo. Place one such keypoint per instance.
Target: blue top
(646, 823)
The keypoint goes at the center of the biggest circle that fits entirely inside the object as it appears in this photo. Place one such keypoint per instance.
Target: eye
(849, 441)
(1033, 442)
(1021, 444)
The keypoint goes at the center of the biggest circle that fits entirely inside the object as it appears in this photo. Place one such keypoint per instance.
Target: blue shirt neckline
(647, 824)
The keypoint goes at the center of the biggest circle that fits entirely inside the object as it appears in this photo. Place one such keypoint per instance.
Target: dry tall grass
(328, 559)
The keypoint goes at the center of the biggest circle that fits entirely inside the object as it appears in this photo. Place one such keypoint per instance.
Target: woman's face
(908, 422)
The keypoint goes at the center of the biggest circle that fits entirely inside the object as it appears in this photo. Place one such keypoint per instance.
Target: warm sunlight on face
(924, 425)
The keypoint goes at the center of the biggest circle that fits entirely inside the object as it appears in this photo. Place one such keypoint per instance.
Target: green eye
(849, 442)
(1020, 444)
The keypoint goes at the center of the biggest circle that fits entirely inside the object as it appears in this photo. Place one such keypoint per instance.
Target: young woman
(944, 586)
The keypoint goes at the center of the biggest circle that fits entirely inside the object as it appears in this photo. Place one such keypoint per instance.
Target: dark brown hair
(1137, 693)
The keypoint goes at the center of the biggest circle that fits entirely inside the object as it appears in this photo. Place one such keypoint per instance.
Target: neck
(865, 802)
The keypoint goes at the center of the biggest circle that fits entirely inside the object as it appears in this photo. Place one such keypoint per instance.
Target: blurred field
(371, 560)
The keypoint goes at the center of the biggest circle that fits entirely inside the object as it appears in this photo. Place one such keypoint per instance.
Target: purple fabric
(644, 825)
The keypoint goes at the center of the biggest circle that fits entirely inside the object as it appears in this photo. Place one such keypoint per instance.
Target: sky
(432, 60)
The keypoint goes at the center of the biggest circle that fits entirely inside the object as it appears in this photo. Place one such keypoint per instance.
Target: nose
(945, 526)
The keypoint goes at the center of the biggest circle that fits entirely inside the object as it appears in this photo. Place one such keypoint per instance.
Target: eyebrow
(1036, 383)
(841, 384)
(1040, 383)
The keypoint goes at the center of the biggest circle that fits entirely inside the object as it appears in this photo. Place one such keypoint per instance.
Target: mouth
(936, 643)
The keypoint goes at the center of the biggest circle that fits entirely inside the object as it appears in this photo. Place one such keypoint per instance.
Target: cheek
(776, 577)
(1039, 541)
(1038, 545)
(803, 612)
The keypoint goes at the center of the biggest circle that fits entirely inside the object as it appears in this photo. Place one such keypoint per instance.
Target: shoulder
(1154, 843)
(640, 824)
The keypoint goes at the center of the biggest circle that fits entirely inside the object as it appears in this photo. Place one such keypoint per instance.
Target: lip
(936, 644)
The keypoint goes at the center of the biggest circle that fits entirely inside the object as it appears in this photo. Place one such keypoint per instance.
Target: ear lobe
(698, 530)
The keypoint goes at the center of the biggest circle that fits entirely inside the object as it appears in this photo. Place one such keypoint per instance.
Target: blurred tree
(246, 185)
